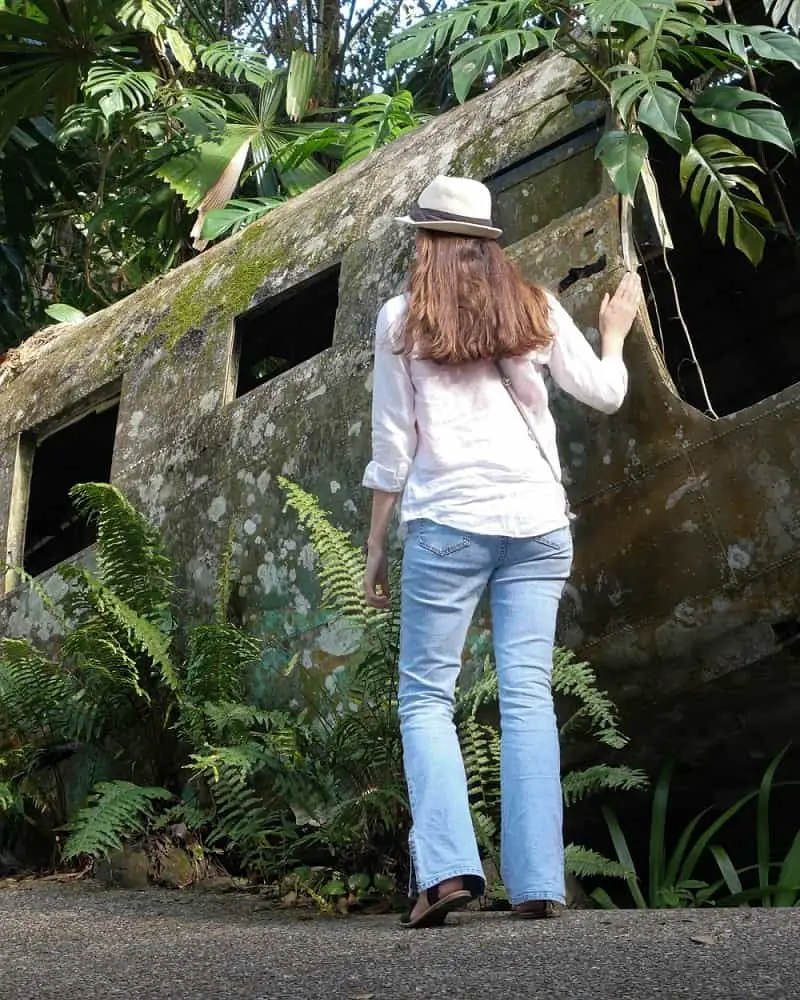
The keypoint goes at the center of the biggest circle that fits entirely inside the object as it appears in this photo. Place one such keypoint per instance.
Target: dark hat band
(434, 215)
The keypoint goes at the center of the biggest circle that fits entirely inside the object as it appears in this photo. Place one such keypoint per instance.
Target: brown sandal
(438, 908)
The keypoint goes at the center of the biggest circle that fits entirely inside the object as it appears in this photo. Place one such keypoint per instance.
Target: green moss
(189, 305)
(477, 159)
(186, 311)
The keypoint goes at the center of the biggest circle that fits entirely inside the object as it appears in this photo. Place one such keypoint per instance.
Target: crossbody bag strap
(529, 426)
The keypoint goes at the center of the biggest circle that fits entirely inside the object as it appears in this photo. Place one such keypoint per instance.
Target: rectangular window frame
(27, 442)
(300, 288)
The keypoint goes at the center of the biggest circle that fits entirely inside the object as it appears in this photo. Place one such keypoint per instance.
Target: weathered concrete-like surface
(60, 942)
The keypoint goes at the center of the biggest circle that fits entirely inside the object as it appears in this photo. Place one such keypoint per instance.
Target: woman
(461, 427)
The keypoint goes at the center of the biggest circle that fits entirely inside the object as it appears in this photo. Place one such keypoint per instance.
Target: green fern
(483, 690)
(8, 797)
(95, 601)
(118, 810)
(242, 823)
(584, 863)
(217, 661)
(480, 746)
(577, 785)
(576, 679)
(33, 692)
(130, 553)
(341, 564)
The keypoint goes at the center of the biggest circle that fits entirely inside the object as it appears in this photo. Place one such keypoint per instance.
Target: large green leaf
(377, 119)
(632, 84)
(146, 15)
(194, 173)
(603, 14)
(659, 109)
(670, 35)
(768, 43)
(710, 173)
(180, 49)
(623, 154)
(62, 313)
(474, 57)
(236, 215)
(730, 108)
(231, 59)
(481, 19)
(119, 88)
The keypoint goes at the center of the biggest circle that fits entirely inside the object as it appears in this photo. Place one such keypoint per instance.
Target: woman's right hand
(618, 311)
(376, 577)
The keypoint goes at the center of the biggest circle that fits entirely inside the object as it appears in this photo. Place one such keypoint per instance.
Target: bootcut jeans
(445, 571)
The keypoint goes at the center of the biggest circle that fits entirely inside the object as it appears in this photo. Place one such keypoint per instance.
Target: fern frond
(242, 759)
(117, 810)
(218, 658)
(242, 822)
(101, 659)
(485, 832)
(8, 797)
(576, 679)
(480, 746)
(584, 863)
(577, 785)
(33, 692)
(341, 563)
(483, 690)
(130, 553)
(94, 600)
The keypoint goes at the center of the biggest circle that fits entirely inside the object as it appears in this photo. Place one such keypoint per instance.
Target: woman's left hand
(618, 311)
(376, 578)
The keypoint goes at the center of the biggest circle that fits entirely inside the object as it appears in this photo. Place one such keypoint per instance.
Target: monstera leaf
(710, 173)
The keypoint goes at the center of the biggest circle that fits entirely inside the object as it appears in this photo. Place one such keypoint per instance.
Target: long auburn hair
(469, 302)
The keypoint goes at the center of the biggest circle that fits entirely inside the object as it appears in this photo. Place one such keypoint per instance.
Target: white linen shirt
(450, 438)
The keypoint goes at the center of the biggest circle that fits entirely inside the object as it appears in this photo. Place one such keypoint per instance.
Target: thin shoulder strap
(521, 410)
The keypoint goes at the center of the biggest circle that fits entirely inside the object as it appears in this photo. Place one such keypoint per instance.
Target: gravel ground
(78, 940)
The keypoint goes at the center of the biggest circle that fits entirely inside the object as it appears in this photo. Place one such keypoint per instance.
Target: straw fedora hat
(454, 205)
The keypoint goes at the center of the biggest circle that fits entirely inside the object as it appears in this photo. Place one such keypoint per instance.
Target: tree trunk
(329, 20)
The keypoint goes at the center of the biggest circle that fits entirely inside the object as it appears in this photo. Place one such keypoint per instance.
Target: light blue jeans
(445, 571)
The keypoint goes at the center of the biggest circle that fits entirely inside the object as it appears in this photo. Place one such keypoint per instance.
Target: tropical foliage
(137, 725)
(127, 126)
(671, 70)
(673, 879)
(133, 132)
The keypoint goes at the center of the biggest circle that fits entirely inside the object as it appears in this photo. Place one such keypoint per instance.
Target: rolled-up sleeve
(601, 383)
(394, 433)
